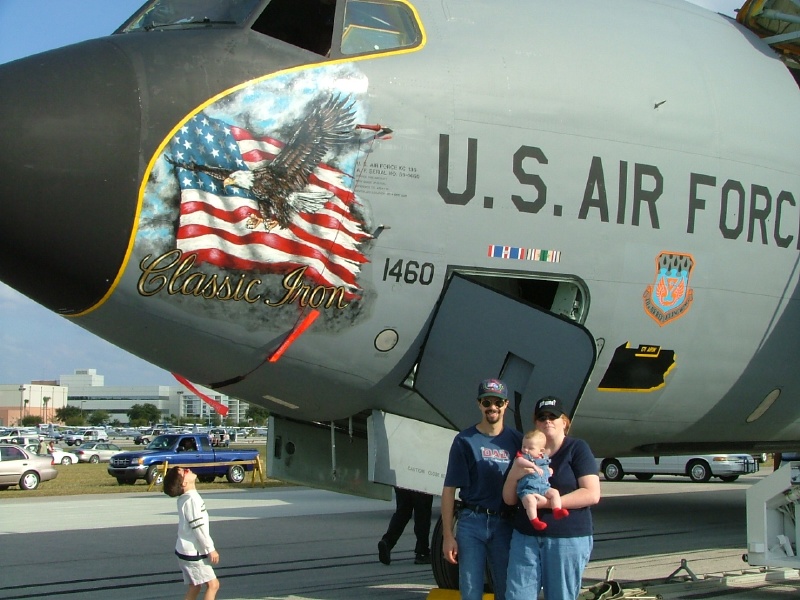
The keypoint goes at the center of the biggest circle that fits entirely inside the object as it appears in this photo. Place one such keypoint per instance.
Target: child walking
(194, 548)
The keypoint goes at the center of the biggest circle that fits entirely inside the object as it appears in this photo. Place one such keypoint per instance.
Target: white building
(83, 378)
(88, 392)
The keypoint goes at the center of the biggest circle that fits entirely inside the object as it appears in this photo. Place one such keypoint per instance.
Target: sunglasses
(497, 402)
(547, 417)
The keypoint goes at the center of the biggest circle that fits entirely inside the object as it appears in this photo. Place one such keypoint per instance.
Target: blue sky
(37, 344)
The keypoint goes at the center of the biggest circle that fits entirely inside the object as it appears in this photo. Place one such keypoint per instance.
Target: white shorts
(196, 572)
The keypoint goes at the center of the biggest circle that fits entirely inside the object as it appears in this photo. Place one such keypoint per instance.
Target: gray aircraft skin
(593, 200)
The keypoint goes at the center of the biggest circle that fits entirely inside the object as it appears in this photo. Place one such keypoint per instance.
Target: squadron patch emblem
(670, 295)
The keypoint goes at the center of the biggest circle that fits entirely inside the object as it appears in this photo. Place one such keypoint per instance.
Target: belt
(505, 512)
(193, 558)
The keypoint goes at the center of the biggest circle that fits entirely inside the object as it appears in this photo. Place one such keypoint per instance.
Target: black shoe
(384, 552)
(422, 559)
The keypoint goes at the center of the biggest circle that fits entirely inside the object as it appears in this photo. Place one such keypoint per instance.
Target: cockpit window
(180, 14)
(308, 24)
(374, 26)
(357, 27)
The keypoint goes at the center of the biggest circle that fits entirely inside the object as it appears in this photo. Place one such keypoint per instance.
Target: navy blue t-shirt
(478, 465)
(573, 460)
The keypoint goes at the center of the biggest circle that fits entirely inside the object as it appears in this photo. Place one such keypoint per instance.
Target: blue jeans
(481, 537)
(555, 564)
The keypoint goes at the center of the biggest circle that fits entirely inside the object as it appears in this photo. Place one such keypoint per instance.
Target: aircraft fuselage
(631, 167)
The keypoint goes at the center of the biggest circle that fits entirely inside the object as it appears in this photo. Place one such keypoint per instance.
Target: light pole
(82, 401)
(180, 406)
(21, 403)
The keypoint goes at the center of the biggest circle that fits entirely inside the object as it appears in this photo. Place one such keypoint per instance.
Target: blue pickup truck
(182, 449)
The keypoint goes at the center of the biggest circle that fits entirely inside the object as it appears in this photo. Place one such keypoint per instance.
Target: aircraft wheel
(444, 573)
(644, 476)
(236, 474)
(699, 471)
(612, 470)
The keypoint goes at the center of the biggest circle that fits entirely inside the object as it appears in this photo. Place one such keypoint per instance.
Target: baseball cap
(549, 404)
(494, 388)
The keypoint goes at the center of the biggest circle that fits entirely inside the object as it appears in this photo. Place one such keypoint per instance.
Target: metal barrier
(258, 467)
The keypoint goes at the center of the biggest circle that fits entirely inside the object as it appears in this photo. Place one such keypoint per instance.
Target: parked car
(58, 456)
(95, 452)
(12, 434)
(181, 449)
(145, 437)
(700, 467)
(127, 433)
(86, 435)
(21, 440)
(73, 438)
(30, 431)
(22, 468)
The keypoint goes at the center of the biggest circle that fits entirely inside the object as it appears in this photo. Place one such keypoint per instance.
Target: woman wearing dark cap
(555, 557)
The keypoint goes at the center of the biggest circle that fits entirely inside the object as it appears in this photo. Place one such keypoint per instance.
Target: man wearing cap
(479, 459)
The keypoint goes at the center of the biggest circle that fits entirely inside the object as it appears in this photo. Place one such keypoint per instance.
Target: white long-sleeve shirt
(193, 531)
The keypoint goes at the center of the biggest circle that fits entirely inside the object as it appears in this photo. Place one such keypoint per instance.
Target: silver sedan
(22, 468)
(95, 452)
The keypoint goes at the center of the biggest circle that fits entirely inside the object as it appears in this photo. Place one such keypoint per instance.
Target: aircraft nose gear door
(478, 332)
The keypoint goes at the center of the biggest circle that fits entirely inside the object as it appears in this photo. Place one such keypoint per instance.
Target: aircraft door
(479, 332)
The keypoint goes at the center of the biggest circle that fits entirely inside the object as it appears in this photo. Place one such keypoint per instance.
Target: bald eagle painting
(279, 185)
(267, 184)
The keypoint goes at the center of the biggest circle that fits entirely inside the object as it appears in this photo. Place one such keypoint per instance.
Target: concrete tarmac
(301, 544)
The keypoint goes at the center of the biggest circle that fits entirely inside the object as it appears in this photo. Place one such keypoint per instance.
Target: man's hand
(450, 549)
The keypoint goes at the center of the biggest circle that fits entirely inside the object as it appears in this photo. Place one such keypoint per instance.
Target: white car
(60, 457)
(697, 467)
(94, 434)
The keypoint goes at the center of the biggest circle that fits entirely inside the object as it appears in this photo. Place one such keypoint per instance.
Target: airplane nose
(70, 123)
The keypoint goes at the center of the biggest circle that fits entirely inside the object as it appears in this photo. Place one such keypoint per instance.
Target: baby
(534, 489)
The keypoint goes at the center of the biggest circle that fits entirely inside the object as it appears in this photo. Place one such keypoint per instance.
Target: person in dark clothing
(408, 502)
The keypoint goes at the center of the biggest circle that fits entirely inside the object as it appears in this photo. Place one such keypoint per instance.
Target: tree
(258, 414)
(70, 415)
(98, 417)
(143, 414)
(31, 420)
(45, 400)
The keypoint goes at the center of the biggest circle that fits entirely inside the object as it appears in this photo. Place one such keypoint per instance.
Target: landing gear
(444, 573)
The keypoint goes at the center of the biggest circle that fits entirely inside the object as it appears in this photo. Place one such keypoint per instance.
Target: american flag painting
(213, 220)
